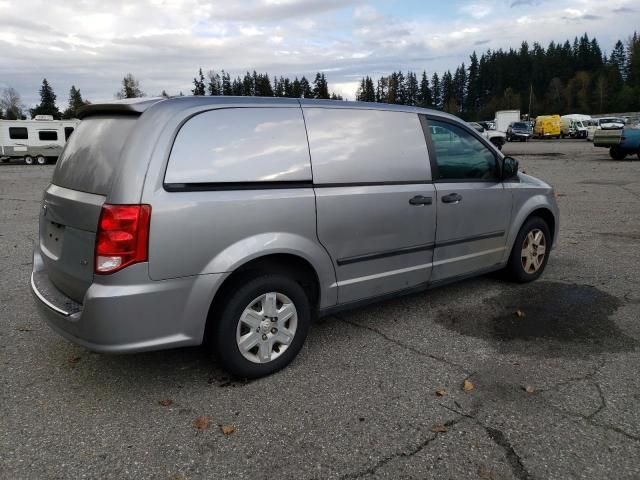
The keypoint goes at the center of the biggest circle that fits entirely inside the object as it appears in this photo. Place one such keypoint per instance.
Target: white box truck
(38, 141)
(505, 117)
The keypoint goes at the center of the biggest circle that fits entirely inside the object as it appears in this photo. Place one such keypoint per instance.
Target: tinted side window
(241, 145)
(459, 155)
(67, 132)
(18, 133)
(48, 135)
(354, 146)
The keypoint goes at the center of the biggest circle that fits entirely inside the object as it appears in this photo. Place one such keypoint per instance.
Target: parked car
(570, 127)
(547, 126)
(620, 142)
(520, 131)
(494, 136)
(234, 221)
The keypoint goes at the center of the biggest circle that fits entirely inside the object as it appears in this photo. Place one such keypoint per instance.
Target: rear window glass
(18, 133)
(241, 145)
(48, 135)
(91, 156)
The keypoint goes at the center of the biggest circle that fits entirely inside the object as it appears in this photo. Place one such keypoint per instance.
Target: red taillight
(122, 237)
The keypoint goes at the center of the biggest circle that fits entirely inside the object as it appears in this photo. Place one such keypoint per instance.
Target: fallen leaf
(201, 423)
(520, 314)
(227, 429)
(439, 429)
(485, 473)
(179, 476)
(166, 402)
(529, 389)
(73, 361)
(467, 385)
(442, 392)
(24, 329)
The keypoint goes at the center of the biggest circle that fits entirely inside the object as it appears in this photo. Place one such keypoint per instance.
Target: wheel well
(296, 267)
(548, 217)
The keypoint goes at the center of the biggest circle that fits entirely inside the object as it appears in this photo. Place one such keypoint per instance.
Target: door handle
(420, 200)
(452, 198)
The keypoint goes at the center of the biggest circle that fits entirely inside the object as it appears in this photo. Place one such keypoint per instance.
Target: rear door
(374, 198)
(473, 207)
(71, 204)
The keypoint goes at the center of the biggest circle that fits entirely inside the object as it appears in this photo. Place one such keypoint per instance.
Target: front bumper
(129, 312)
(521, 136)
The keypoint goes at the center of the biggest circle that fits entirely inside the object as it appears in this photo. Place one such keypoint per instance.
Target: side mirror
(509, 168)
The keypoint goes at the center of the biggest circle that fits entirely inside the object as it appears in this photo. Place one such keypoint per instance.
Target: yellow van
(547, 126)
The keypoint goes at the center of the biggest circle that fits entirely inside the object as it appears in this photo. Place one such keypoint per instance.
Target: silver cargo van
(235, 221)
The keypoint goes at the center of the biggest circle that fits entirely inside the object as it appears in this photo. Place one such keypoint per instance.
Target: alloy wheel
(534, 250)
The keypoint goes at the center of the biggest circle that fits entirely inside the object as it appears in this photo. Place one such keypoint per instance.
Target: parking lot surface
(551, 368)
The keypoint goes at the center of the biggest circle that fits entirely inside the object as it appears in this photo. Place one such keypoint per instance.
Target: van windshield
(89, 160)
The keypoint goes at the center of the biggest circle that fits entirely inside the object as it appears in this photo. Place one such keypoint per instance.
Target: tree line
(562, 78)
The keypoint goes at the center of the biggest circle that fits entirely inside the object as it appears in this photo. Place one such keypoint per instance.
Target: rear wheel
(617, 153)
(28, 160)
(261, 327)
(40, 160)
(530, 251)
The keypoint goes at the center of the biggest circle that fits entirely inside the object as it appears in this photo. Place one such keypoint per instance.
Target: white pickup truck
(496, 137)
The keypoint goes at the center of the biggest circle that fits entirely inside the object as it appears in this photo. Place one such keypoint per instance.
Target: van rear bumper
(128, 313)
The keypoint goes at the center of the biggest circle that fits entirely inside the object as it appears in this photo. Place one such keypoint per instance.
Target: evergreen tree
(226, 84)
(75, 103)
(214, 85)
(436, 91)
(305, 88)
(47, 105)
(472, 100)
(412, 89)
(198, 84)
(618, 59)
(130, 88)
(448, 94)
(424, 98)
(320, 87)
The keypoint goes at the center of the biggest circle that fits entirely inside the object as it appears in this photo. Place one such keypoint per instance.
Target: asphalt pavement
(551, 368)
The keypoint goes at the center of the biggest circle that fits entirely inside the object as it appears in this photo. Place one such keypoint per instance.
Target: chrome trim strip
(45, 301)
(466, 257)
(380, 275)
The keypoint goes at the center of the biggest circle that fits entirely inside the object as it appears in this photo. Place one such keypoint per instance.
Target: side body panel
(367, 167)
(471, 234)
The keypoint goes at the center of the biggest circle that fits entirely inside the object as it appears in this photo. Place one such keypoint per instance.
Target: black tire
(41, 160)
(221, 334)
(28, 160)
(617, 153)
(515, 269)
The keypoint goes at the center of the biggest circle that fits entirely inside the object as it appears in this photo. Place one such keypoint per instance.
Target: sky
(92, 44)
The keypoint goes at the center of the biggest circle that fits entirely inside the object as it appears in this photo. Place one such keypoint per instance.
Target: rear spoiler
(131, 106)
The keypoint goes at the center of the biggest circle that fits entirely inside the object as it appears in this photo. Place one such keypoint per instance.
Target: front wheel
(40, 160)
(261, 327)
(617, 153)
(530, 251)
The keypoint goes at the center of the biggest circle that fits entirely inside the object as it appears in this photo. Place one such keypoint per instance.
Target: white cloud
(93, 43)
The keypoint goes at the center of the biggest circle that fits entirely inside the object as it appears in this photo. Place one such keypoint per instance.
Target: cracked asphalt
(360, 400)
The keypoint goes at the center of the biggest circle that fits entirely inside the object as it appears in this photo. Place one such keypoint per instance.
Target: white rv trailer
(37, 141)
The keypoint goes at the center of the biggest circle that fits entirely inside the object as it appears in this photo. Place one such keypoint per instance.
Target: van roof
(136, 106)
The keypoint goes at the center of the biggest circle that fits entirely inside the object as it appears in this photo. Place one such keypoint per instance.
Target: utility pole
(530, 100)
